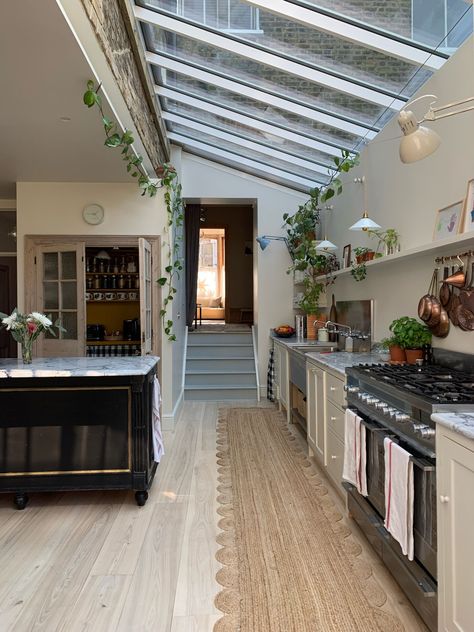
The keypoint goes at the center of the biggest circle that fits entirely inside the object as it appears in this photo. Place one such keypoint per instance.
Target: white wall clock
(93, 214)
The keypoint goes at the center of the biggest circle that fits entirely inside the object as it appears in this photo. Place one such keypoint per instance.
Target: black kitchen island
(77, 424)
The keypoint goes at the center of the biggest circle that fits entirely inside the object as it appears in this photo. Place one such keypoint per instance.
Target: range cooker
(397, 401)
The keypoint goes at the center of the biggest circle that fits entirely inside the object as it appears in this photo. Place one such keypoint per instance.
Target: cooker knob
(380, 405)
(372, 400)
(394, 412)
(401, 417)
(351, 389)
(388, 410)
(427, 433)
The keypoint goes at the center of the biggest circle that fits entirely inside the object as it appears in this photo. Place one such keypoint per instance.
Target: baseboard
(263, 392)
(168, 422)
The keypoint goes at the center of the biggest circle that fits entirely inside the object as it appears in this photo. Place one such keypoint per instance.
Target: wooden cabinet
(315, 404)
(282, 376)
(455, 485)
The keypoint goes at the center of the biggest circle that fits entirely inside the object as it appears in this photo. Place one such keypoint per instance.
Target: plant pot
(369, 255)
(413, 355)
(311, 329)
(397, 354)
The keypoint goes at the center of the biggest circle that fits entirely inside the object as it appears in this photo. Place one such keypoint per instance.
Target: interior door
(145, 264)
(60, 284)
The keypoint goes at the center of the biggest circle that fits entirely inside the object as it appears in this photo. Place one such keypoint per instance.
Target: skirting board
(168, 422)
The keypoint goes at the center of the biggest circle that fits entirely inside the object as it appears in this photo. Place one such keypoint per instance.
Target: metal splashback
(359, 315)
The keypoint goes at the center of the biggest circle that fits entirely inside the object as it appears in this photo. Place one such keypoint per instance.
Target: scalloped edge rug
(290, 564)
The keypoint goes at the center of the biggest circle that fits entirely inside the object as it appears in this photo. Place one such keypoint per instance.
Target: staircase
(220, 366)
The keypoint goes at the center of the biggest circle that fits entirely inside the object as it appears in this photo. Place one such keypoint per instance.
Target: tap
(336, 328)
(319, 322)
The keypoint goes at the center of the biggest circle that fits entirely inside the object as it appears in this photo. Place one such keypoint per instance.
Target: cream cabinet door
(455, 487)
(60, 293)
(316, 411)
(146, 292)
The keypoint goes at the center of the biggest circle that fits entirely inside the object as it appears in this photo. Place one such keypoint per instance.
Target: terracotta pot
(311, 329)
(369, 255)
(413, 355)
(397, 354)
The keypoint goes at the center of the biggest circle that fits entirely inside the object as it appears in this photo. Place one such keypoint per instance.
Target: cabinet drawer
(335, 458)
(335, 390)
(335, 420)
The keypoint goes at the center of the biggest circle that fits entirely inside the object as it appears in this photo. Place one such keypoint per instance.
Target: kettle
(131, 329)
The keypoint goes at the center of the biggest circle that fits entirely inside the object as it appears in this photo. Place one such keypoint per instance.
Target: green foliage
(390, 238)
(359, 271)
(410, 333)
(359, 251)
(168, 180)
(310, 301)
(386, 343)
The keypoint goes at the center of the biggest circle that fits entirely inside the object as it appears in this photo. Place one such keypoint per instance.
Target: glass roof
(280, 87)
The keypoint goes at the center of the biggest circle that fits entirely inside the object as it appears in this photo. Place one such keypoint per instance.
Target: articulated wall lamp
(365, 223)
(264, 240)
(418, 141)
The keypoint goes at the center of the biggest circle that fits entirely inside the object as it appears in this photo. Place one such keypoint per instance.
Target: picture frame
(448, 221)
(468, 209)
(346, 256)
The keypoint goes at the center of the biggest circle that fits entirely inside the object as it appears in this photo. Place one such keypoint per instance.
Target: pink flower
(32, 327)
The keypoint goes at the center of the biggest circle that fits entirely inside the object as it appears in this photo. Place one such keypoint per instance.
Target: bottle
(96, 282)
(137, 282)
(349, 344)
(105, 282)
(89, 283)
(116, 266)
(121, 282)
(113, 282)
(101, 266)
(123, 267)
(129, 282)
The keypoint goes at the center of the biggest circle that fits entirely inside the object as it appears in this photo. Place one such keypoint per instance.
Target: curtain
(191, 228)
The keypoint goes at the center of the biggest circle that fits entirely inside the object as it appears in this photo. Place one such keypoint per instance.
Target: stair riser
(235, 379)
(220, 394)
(204, 339)
(220, 364)
(201, 351)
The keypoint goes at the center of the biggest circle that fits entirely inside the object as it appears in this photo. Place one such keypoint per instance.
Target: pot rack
(459, 257)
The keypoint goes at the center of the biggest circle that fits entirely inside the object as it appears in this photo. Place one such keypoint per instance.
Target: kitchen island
(77, 424)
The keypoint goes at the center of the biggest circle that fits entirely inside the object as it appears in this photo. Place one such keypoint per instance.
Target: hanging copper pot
(457, 279)
(441, 330)
(436, 306)
(445, 291)
(426, 301)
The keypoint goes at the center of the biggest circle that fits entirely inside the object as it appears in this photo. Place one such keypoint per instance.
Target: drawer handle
(333, 418)
(332, 388)
(333, 457)
(444, 499)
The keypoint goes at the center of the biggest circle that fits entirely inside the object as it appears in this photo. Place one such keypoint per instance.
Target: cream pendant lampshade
(365, 223)
(326, 245)
(418, 141)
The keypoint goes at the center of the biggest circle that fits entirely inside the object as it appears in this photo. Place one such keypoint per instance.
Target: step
(220, 351)
(227, 378)
(215, 393)
(198, 338)
(220, 364)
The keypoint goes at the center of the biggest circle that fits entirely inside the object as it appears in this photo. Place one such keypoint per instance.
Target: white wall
(52, 208)
(273, 288)
(406, 197)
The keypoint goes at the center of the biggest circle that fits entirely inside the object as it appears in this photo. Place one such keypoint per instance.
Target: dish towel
(399, 491)
(158, 446)
(271, 376)
(355, 452)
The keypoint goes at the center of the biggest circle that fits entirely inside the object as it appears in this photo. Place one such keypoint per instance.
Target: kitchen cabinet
(315, 404)
(455, 482)
(281, 360)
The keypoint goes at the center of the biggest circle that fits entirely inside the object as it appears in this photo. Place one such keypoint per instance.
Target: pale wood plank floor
(95, 562)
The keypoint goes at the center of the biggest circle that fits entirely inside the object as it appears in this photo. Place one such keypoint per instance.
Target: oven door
(424, 476)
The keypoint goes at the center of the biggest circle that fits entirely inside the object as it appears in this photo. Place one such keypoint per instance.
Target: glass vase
(27, 352)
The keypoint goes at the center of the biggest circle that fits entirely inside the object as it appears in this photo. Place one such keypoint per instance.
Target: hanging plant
(359, 271)
(167, 179)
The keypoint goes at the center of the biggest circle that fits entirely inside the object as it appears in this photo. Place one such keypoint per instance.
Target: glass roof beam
(239, 87)
(237, 159)
(196, 126)
(347, 30)
(343, 84)
(244, 119)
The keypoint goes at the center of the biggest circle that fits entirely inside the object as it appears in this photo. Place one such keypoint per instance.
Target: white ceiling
(43, 74)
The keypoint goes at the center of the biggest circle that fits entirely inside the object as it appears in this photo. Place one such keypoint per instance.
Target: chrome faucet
(336, 328)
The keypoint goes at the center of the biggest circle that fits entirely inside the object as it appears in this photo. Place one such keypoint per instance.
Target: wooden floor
(95, 561)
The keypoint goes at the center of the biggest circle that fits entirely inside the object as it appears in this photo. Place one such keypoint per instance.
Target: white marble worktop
(78, 367)
(462, 423)
(340, 360)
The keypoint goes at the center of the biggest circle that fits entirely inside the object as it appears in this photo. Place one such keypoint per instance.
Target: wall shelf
(440, 248)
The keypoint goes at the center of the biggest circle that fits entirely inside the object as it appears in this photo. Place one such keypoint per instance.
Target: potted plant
(390, 238)
(363, 254)
(411, 335)
(310, 304)
(397, 353)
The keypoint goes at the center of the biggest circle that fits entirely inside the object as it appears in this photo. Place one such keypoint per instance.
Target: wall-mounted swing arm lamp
(419, 141)
(264, 241)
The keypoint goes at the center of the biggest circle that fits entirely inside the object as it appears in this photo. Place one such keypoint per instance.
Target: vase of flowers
(25, 329)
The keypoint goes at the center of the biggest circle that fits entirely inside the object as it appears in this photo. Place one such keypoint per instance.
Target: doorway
(8, 266)
(211, 274)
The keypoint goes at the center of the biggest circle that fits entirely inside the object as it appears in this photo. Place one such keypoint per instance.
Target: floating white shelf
(451, 246)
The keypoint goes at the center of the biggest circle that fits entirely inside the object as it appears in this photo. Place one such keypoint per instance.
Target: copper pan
(467, 294)
(441, 330)
(465, 318)
(436, 306)
(425, 303)
(445, 291)
(457, 279)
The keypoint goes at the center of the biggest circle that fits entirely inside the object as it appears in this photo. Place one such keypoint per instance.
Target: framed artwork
(448, 221)
(468, 212)
(346, 256)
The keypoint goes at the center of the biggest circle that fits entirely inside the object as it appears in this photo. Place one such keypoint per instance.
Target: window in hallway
(211, 275)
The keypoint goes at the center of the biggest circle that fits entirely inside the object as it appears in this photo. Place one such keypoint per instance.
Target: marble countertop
(78, 367)
(462, 423)
(340, 360)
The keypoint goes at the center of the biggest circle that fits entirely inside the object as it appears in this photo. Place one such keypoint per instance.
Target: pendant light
(325, 245)
(365, 223)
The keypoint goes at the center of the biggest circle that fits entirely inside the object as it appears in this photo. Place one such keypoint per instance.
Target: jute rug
(289, 562)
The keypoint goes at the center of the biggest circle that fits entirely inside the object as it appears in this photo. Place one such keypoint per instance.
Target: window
(211, 274)
(225, 15)
(441, 23)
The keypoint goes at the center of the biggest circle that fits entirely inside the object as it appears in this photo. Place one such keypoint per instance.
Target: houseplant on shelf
(310, 304)
(25, 329)
(411, 336)
(363, 254)
(390, 238)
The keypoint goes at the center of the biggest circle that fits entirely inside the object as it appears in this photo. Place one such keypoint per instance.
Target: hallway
(92, 561)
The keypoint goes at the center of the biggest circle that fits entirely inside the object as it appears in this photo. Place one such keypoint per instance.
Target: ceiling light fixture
(365, 223)
(419, 141)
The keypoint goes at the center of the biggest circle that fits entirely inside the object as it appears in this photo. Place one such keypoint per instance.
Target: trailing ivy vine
(167, 179)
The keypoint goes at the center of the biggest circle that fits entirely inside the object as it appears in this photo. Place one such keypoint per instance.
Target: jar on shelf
(96, 282)
(123, 266)
(89, 283)
(113, 282)
(116, 266)
(121, 282)
(137, 283)
(105, 282)
(129, 282)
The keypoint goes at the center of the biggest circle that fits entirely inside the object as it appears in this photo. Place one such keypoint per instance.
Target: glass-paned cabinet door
(60, 287)
(144, 248)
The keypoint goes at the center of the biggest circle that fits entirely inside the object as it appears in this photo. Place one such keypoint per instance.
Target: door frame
(106, 241)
